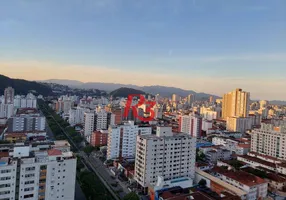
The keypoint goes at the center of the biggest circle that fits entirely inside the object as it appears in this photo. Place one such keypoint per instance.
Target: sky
(211, 46)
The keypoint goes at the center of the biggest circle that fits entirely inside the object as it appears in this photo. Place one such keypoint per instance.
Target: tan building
(235, 103)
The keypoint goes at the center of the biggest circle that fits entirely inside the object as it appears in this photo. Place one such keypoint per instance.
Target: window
(5, 185)
(5, 171)
(5, 192)
(28, 196)
(29, 189)
(29, 182)
(5, 178)
(30, 168)
(29, 175)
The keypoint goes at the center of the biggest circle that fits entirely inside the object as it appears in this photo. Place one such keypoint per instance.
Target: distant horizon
(218, 95)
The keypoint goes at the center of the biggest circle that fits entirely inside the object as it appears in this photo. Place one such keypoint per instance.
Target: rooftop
(27, 111)
(177, 135)
(54, 152)
(240, 176)
(264, 156)
(257, 160)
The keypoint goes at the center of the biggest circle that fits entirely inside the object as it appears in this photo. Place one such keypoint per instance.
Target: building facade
(30, 174)
(166, 155)
(122, 140)
(99, 138)
(27, 123)
(235, 103)
(238, 124)
(9, 93)
(269, 140)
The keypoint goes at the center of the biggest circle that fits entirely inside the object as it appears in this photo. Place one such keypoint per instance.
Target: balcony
(41, 197)
(43, 177)
(42, 191)
(42, 184)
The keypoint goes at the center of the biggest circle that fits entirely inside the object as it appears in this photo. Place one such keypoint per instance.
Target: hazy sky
(205, 45)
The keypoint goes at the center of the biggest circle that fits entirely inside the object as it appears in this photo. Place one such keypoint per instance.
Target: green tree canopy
(131, 196)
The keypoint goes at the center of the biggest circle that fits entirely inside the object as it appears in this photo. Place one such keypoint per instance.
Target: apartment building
(97, 120)
(27, 120)
(209, 113)
(76, 115)
(64, 105)
(191, 124)
(238, 124)
(29, 101)
(184, 123)
(239, 146)
(9, 93)
(6, 110)
(122, 139)
(255, 187)
(100, 120)
(166, 155)
(218, 153)
(99, 138)
(269, 140)
(256, 160)
(37, 172)
(88, 126)
(235, 103)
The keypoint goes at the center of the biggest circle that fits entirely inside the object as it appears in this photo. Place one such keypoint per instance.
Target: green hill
(23, 87)
(124, 92)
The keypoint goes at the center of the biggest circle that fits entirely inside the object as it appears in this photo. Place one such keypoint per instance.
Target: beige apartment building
(235, 103)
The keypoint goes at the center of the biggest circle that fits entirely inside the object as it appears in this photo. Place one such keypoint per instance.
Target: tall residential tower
(235, 104)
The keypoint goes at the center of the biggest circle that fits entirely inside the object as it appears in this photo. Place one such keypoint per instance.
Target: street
(105, 172)
(93, 164)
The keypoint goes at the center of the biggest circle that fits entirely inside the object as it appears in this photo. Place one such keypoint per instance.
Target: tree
(131, 196)
(202, 183)
(200, 156)
(88, 149)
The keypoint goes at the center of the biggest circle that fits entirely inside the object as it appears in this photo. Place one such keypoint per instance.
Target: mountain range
(23, 87)
(109, 87)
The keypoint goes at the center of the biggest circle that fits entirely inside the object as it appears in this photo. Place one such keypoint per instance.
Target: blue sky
(205, 45)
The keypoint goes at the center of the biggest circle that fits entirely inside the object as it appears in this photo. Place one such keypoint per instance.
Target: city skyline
(206, 46)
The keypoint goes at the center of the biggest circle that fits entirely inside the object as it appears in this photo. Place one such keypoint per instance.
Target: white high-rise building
(33, 174)
(9, 93)
(30, 101)
(76, 115)
(6, 110)
(184, 123)
(206, 125)
(122, 139)
(67, 104)
(100, 120)
(27, 123)
(270, 140)
(191, 124)
(88, 124)
(165, 155)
